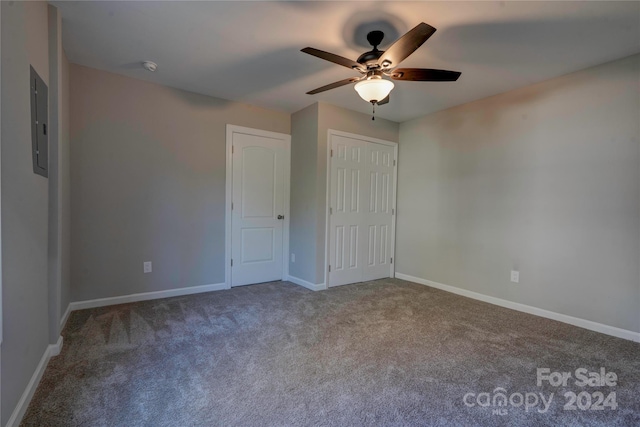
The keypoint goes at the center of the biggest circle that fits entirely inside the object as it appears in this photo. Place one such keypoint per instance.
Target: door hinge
(393, 211)
(329, 269)
(232, 150)
(331, 153)
(394, 163)
(231, 205)
(330, 211)
(231, 262)
(391, 260)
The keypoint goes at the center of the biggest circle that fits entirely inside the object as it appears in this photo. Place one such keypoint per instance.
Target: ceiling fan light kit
(375, 64)
(374, 90)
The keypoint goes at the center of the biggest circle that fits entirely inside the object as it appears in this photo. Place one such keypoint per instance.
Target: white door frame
(231, 129)
(330, 133)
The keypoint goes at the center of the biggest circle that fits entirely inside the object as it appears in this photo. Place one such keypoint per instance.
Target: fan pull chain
(373, 117)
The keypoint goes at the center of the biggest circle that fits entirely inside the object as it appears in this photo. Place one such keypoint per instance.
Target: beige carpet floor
(387, 352)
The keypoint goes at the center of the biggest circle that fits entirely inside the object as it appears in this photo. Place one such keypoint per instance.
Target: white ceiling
(250, 51)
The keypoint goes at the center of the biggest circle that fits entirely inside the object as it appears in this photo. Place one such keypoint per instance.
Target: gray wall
(24, 203)
(55, 111)
(64, 188)
(304, 158)
(148, 183)
(1, 315)
(309, 178)
(545, 180)
(59, 200)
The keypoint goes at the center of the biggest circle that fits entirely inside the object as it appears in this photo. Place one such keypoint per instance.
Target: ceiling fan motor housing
(371, 58)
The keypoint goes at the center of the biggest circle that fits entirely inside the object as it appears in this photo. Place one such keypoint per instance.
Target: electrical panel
(39, 124)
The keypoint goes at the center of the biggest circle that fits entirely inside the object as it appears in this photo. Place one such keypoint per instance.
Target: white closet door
(377, 212)
(346, 203)
(361, 203)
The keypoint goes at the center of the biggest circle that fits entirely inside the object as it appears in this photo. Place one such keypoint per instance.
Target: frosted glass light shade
(374, 90)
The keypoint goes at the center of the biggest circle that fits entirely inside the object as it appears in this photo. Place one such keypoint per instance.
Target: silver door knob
(280, 216)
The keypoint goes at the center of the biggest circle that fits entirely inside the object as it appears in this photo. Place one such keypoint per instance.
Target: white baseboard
(305, 284)
(575, 321)
(21, 408)
(55, 349)
(102, 302)
(65, 317)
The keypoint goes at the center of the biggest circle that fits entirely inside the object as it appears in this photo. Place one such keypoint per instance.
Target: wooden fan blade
(334, 85)
(332, 57)
(406, 45)
(384, 101)
(424, 75)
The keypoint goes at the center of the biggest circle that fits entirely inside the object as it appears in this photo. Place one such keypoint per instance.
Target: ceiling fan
(376, 64)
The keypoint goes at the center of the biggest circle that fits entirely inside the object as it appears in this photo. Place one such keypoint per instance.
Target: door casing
(330, 133)
(231, 129)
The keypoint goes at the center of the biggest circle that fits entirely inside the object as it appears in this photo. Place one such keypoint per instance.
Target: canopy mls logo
(499, 401)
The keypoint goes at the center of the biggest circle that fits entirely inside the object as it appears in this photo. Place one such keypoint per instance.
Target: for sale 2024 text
(582, 377)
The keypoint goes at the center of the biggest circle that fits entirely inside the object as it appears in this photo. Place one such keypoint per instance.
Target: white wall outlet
(293, 257)
(146, 266)
(515, 276)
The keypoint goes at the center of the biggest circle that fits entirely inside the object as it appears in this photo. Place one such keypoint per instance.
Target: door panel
(346, 243)
(258, 200)
(258, 182)
(257, 245)
(379, 215)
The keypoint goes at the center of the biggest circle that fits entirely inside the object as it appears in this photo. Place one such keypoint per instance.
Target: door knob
(280, 216)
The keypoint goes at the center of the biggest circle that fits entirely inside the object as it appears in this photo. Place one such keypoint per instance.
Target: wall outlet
(147, 266)
(515, 276)
(293, 257)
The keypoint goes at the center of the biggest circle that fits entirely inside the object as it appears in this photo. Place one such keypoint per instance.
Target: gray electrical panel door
(39, 124)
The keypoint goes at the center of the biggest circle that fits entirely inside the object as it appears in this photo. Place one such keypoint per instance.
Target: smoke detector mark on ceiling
(150, 66)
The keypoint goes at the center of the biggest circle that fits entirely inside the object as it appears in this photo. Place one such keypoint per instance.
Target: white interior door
(259, 165)
(361, 208)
